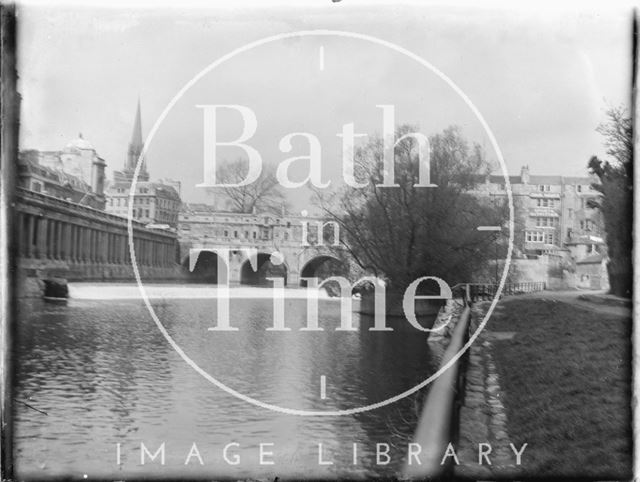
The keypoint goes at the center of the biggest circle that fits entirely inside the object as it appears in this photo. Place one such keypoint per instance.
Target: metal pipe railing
(438, 423)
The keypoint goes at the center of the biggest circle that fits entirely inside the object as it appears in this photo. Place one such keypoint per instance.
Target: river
(107, 378)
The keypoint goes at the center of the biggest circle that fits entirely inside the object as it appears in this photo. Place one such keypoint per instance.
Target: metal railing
(487, 291)
(439, 420)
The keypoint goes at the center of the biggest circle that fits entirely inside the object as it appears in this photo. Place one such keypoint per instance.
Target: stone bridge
(292, 261)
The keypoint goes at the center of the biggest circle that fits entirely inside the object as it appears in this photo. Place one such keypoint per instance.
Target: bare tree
(406, 232)
(265, 193)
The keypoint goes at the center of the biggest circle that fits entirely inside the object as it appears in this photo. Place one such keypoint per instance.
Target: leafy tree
(616, 202)
(406, 232)
(263, 194)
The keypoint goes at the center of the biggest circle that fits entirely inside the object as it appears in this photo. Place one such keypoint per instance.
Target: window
(146, 213)
(535, 236)
(246, 234)
(544, 187)
(579, 188)
(550, 238)
(36, 186)
(254, 235)
(589, 225)
(235, 234)
(546, 222)
(226, 233)
(286, 236)
(288, 224)
(546, 203)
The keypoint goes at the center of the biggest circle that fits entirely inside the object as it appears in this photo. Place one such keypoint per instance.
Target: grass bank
(566, 379)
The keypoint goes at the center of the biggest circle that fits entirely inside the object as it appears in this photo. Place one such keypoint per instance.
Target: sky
(541, 79)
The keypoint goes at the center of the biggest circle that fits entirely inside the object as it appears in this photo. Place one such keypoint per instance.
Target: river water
(105, 375)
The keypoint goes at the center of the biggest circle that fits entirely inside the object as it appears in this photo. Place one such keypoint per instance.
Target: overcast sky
(541, 79)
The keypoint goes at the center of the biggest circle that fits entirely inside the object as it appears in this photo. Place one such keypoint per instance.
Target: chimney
(97, 176)
(524, 175)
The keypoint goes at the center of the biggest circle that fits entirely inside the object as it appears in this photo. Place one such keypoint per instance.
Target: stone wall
(59, 238)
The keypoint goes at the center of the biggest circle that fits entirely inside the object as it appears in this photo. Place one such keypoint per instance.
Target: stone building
(591, 272)
(267, 228)
(75, 174)
(554, 226)
(153, 202)
(551, 212)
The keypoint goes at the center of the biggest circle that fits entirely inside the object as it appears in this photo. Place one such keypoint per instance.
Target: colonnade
(72, 240)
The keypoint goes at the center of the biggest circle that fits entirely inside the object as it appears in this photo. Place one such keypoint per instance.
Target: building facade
(75, 174)
(155, 203)
(204, 222)
(552, 213)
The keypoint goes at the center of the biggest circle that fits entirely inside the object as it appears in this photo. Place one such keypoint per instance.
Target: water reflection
(105, 375)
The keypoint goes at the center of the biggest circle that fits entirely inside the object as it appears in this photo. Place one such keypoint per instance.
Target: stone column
(87, 244)
(72, 243)
(84, 244)
(106, 246)
(31, 225)
(155, 253)
(41, 242)
(110, 243)
(59, 240)
(92, 245)
(102, 246)
(75, 233)
(120, 249)
(293, 279)
(94, 251)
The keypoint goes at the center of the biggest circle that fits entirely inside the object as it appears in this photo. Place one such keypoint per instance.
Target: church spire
(135, 148)
(136, 135)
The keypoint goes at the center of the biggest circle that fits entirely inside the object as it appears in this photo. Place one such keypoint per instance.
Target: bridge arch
(322, 266)
(265, 269)
(206, 268)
